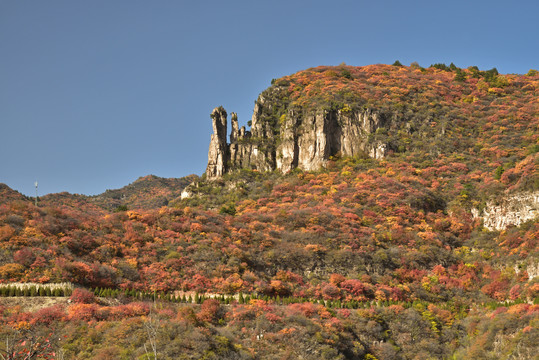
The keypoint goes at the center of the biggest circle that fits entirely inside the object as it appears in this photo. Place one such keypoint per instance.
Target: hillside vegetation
(363, 259)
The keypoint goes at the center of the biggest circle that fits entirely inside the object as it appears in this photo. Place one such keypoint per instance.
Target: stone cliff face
(285, 138)
(217, 154)
(510, 210)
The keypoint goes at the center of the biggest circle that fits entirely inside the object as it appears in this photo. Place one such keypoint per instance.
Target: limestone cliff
(286, 137)
(510, 210)
(217, 154)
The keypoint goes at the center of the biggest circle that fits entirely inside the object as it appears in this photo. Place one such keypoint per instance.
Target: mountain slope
(362, 257)
(148, 192)
(7, 194)
(304, 119)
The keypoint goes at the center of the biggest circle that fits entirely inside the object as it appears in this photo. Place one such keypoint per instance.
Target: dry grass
(31, 304)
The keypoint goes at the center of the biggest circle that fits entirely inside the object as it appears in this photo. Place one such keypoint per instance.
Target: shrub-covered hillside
(363, 259)
(486, 119)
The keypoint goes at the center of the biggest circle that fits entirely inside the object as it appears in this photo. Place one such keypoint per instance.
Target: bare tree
(26, 344)
(151, 325)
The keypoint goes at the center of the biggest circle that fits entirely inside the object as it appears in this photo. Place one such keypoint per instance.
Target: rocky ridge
(292, 137)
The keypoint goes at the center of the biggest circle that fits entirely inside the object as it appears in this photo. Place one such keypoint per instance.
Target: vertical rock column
(217, 153)
(233, 153)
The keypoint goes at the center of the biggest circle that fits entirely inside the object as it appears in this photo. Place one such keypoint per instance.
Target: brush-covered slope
(366, 257)
(302, 120)
(148, 192)
(8, 195)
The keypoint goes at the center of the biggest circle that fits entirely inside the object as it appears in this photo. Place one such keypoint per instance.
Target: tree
(498, 173)
(151, 325)
(229, 209)
(28, 343)
(460, 75)
(82, 296)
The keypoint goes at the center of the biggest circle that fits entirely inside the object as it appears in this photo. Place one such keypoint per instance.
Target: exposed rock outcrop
(509, 210)
(285, 138)
(217, 153)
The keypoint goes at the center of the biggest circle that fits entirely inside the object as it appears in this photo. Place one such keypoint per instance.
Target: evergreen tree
(460, 76)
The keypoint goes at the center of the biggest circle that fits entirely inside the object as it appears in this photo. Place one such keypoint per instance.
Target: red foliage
(82, 296)
(209, 311)
(25, 256)
(354, 287)
(336, 279)
(307, 309)
(331, 292)
(84, 312)
(49, 315)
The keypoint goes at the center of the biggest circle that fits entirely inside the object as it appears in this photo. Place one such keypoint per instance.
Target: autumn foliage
(381, 258)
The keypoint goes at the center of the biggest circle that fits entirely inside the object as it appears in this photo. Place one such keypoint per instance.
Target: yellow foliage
(6, 232)
(346, 109)
(133, 215)
(11, 270)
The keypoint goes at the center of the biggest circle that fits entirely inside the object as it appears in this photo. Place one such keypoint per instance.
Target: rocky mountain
(304, 119)
(376, 212)
(303, 141)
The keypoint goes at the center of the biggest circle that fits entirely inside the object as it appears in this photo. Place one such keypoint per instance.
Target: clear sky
(94, 94)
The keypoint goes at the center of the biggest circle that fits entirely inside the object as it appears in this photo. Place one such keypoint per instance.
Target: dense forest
(362, 259)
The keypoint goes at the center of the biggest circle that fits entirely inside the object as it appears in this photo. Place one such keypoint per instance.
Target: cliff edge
(284, 136)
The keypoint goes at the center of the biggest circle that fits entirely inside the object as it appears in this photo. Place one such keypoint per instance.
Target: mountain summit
(304, 119)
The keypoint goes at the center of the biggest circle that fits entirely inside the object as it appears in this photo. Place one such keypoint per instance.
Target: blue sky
(94, 94)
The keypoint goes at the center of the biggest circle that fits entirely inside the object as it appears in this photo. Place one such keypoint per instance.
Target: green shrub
(229, 209)
(460, 76)
(441, 66)
(498, 172)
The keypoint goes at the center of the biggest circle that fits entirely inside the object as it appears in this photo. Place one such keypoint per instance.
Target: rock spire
(293, 139)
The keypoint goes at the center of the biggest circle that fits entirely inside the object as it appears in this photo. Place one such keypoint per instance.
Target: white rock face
(531, 269)
(510, 210)
(186, 194)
